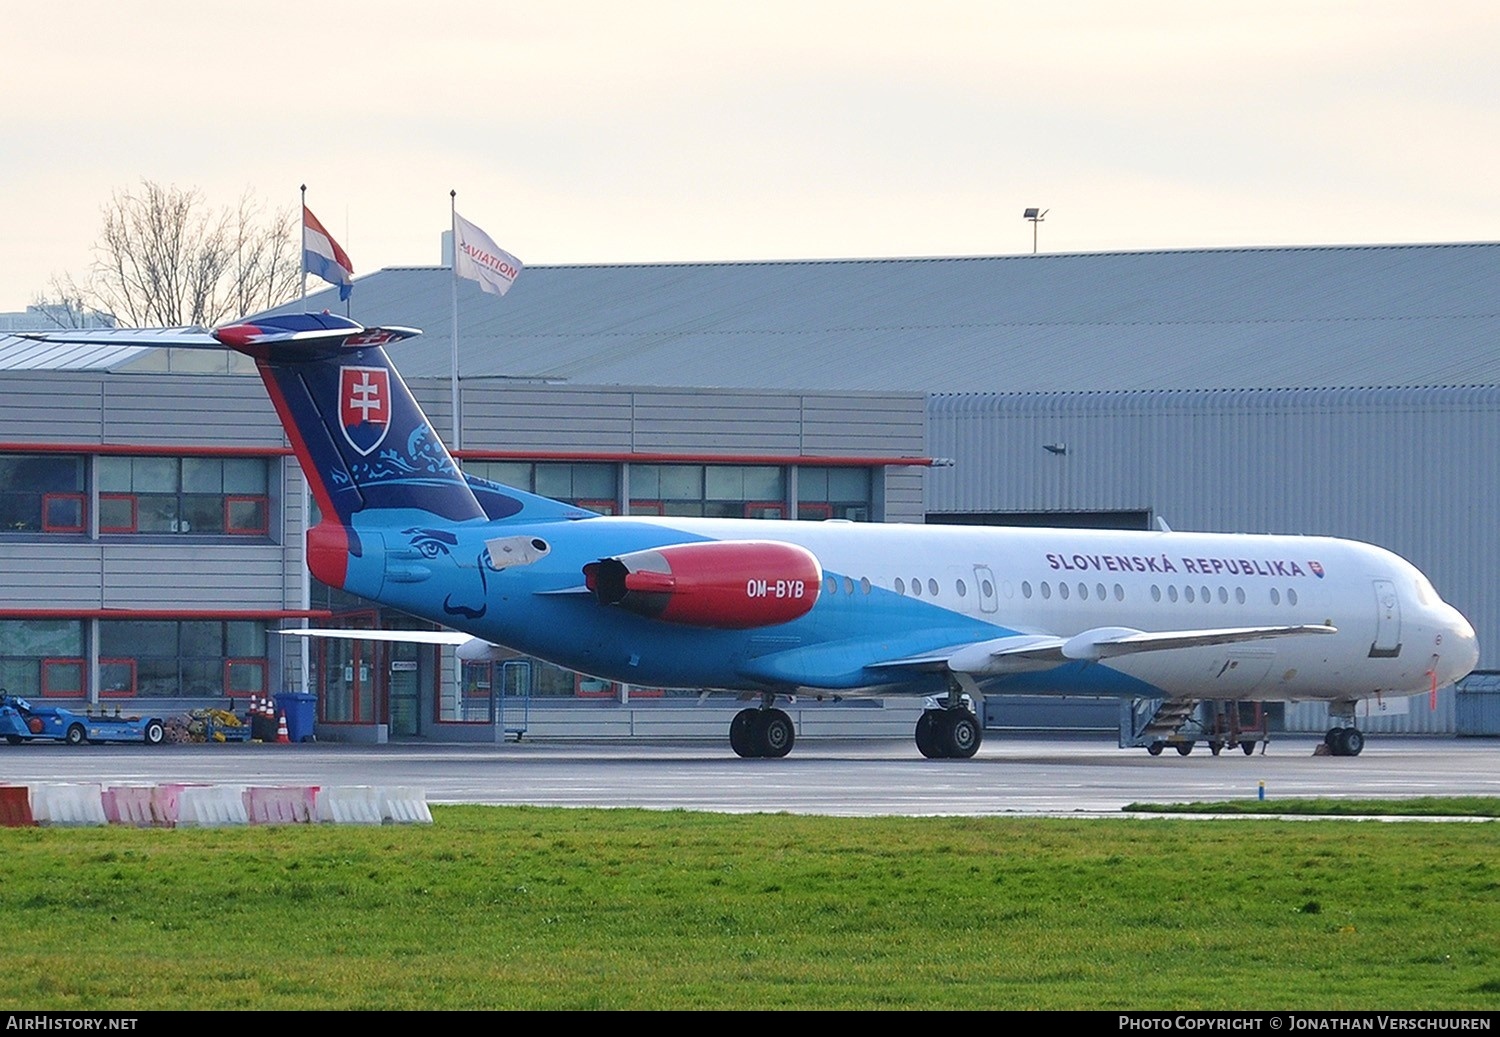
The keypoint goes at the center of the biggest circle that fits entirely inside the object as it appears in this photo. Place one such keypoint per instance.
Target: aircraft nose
(1460, 649)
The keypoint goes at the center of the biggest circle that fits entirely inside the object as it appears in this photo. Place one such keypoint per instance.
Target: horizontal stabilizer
(415, 637)
(280, 329)
(468, 649)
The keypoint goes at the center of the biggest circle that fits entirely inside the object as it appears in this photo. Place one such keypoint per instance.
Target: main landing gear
(950, 731)
(764, 732)
(1344, 741)
(948, 734)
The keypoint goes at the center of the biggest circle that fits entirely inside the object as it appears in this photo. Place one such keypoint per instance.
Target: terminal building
(151, 511)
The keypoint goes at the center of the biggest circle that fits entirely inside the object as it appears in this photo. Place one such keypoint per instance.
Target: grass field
(530, 908)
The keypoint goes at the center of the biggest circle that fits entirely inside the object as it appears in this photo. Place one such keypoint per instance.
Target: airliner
(774, 609)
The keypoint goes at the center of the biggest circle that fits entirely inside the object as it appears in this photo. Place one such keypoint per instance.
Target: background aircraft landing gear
(1344, 741)
(762, 733)
(948, 734)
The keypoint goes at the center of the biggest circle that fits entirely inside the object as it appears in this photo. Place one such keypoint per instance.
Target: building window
(42, 493)
(841, 493)
(182, 659)
(43, 657)
(212, 496)
(587, 484)
(715, 491)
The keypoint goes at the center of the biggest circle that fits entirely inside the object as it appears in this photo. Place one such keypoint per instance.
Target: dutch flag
(323, 256)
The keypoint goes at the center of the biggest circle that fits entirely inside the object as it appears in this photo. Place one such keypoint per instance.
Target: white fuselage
(1394, 634)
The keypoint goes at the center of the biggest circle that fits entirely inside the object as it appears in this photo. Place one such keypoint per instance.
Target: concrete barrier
(15, 807)
(405, 806)
(351, 805)
(81, 804)
(129, 805)
(281, 805)
(165, 800)
(212, 805)
(170, 805)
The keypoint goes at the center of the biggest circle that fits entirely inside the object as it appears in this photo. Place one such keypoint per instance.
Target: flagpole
(302, 233)
(453, 259)
(349, 302)
(458, 666)
(306, 583)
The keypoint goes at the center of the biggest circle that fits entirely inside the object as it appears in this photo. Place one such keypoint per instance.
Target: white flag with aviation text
(478, 258)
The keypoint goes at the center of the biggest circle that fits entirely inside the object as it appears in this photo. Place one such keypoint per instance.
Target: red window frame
(265, 510)
(482, 688)
(611, 689)
(603, 507)
(57, 662)
(807, 509)
(647, 507)
(78, 498)
(777, 506)
(129, 691)
(135, 516)
(250, 662)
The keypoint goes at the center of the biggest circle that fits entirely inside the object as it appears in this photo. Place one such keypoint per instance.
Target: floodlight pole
(1036, 216)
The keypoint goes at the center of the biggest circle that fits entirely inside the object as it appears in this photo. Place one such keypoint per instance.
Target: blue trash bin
(301, 709)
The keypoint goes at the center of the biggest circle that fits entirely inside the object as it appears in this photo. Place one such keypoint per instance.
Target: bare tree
(164, 258)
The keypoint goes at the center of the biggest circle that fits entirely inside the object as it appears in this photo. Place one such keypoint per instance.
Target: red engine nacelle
(731, 584)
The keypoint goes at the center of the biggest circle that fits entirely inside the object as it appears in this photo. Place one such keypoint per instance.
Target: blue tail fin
(371, 458)
(365, 444)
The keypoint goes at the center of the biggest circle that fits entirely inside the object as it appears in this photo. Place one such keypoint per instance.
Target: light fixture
(1036, 216)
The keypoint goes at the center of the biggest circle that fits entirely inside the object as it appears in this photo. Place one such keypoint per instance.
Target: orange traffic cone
(281, 736)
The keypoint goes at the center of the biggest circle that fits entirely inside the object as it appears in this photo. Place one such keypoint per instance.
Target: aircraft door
(984, 585)
(1387, 643)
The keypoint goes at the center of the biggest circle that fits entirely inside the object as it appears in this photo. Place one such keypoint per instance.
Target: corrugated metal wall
(1413, 470)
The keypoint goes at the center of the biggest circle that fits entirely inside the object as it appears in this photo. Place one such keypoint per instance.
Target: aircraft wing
(1019, 653)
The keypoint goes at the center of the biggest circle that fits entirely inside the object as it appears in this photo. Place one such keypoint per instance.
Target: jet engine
(728, 584)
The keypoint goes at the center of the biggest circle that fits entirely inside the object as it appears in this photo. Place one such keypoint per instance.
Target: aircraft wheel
(1331, 739)
(1216, 747)
(1354, 742)
(1249, 748)
(1183, 748)
(742, 735)
(1154, 748)
(76, 735)
(927, 733)
(777, 734)
(14, 739)
(155, 734)
(963, 734)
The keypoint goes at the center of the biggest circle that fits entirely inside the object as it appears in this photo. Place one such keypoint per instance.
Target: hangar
(152, 513)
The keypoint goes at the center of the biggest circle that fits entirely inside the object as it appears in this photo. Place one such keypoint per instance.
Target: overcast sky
(578, 131)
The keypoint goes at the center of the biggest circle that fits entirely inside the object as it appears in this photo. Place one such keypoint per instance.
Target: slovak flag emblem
(1317, 568)
(365, 406)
